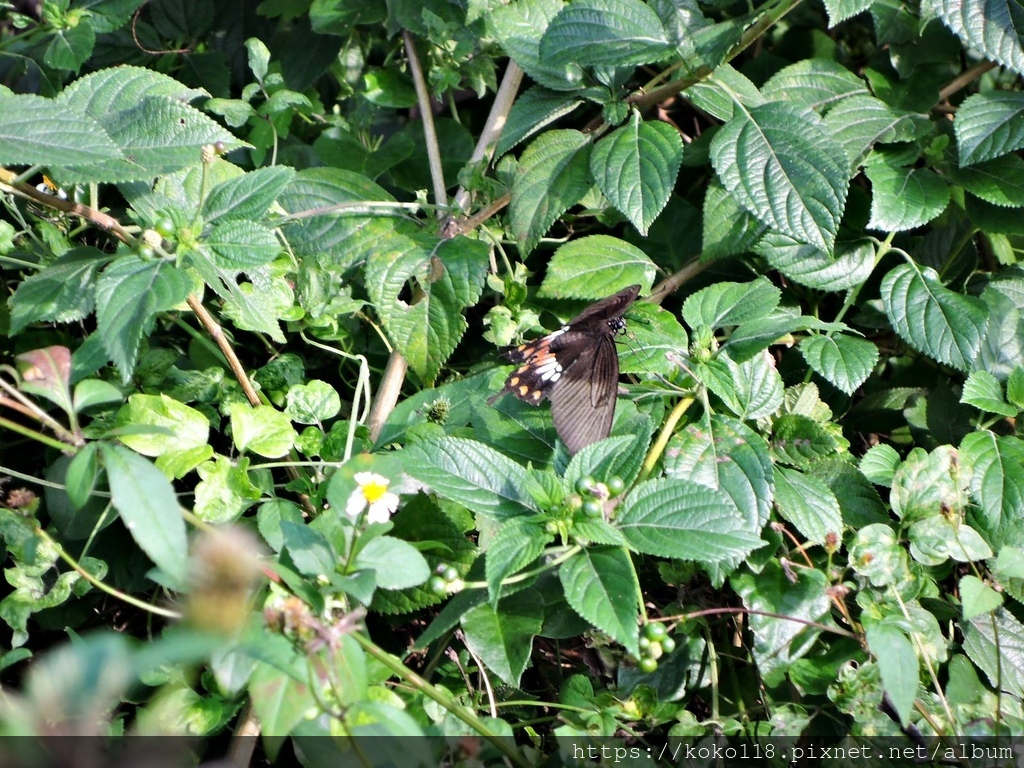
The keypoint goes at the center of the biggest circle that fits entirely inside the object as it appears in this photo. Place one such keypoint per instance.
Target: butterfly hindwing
(577, 368)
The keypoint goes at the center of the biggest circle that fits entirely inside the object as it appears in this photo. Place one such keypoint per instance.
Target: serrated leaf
(977, 597)
(944, 325)
(682, 519)
(604, 33)
(841, 10)
(989, 125)
(851, 265)
(1015, 386)
(996, 645)
(533, 110)
(449, 275)
(61, 292)
(1000, 182)
(905, 198)
(47, 373)
(182, 428)
(809, 504)
(654, 336)
(225, 490)
(996, 467)
(879, 464)
(149, 508)
(240, 245)
(601, 586)
(503, 638)
(519, 27)
(516, 544)
(780, 163)
(553, 175)
(70, 136)
(898, 665)
(843, 360)
(801, 440)
(70, 48)
(594, 267)
(128, 295)
(262, 430)
(817, 83)
(724, 304)
(751, 389)
(861, 122)
(247, 197)
(992, 27)
(471, 474)
(982, 390)
(729, 228)
(636, 168)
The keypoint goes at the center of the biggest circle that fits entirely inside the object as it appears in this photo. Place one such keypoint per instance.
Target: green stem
(44, 439)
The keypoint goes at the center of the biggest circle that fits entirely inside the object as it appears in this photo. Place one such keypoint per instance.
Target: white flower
(371, 491)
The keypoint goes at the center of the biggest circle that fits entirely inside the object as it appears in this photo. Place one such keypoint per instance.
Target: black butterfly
(577, 368)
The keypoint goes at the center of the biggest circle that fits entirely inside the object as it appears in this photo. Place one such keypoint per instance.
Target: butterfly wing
(583, 402)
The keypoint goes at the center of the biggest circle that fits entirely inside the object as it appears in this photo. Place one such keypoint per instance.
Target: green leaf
(1000, 182)
(977, 597)
(181, 427)
(601, 586)
(780, 163)
(851, 266)
(516, 544)
(729, 228)
(936, 539)
(594, 267)
(809, 504)
(982, 390)
(71, 47)
(129, 294)
(70, 136)
(533, 110)
(992, 27)
(779, 640)
(989, 125)
(995, 464)
(879, 464)
(47, 373)
(819, 84)
(751, 389)
(898, 665)
(684, 520)
(313, 402)
(636, 167)
(724, 304)
(944, 325)
(449, 275)
(876, 555)
(309, 550)
(553, 175)
(471, 474)
(389, 88)
(861, 122)
(996, 645)
(927, 483)
(800, 440)
(654, 337)
(604, 33)
(239, 245)
(905, 198)
(225, 491)
(280, 693)
(94, 392)
(503, 638)
(843, 360)
(397, 564)
(62, 291)
(1015, 387)
(519, 27)
(149, 508)
(247, 197)
(262, 430)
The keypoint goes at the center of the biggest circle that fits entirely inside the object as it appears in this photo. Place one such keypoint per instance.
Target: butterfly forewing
(577, 367)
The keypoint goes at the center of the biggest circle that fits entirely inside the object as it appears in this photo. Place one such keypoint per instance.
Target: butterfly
(577, 369)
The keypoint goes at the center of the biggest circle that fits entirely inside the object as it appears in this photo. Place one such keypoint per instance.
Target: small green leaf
(800, 440)
(241, 245)
(308, 549)
(516, 544)
(502, 637)
(809, 504)
(149, 508)
(594, 267)
(601, 586)
(62, 292)
(519, 28)
(313, 402)
(996, 646)
(982, 390)
(1015, 386)
(636, 168)
(553, 175)
(905, 198)
(225, 491)
(897, 662)
(944, 325)
(724, 304)
(843, 360)
(70, 47)
(182, 428)
(533, 110)
(751, 389)
(262, 429)
(95, 392)
(389, 88)
(248, 196)
(995, 466)
(879, 464)
(396, 563)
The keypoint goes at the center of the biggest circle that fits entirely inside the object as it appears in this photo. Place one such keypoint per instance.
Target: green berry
(450, 574)
(164, 226)
(146, 252)
(592, 508)
(655, 632)
(644, 643)
(668, 645)
(616, 485)
(585, 484)
(437, 585)
(647, 665)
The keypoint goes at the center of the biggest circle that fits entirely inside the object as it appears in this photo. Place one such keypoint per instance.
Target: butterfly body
(577, 368)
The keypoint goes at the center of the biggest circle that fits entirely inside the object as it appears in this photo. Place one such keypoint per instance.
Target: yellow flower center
(374, 491)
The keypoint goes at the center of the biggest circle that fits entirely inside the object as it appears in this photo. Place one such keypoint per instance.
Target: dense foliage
(250, 332)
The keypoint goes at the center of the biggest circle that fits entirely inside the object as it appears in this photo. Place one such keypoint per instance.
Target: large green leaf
(604, 33)
(780, 163)
(553, 175)
(989, 125)
(247, 197)
(861, 122)
(519, 27)
(1000, 182)
(851, 265)
(817, 83)
(532, 111)
(61, 292)
(897, 661)
(724, 304)
(601, 586)
(594, 267)
(449, 276)
(809, 504)
(844, 360)
(71, 136)
(149, 508)
(636, 168)
(687, 521)
(905, 198)
(996, 466)
(931, 318)
(503, 637)
(129, 294)
(750, 390)
(992, 27)
(995, 642)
